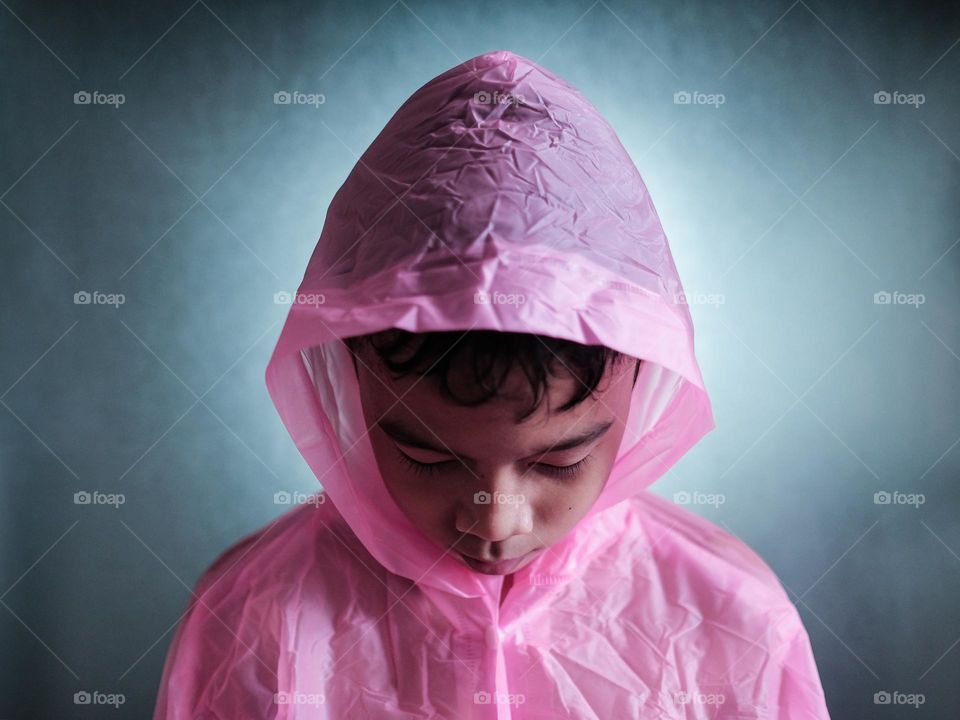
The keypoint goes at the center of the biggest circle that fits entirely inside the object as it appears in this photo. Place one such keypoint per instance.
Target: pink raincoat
(498, 198)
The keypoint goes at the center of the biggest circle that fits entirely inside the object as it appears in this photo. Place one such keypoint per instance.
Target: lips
(493, 567)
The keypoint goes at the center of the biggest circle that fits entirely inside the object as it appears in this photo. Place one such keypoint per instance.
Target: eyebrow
(402, 433)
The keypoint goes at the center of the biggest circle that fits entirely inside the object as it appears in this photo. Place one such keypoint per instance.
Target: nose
(496, 513)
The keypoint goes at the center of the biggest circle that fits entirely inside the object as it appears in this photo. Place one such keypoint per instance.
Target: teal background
(198, 199)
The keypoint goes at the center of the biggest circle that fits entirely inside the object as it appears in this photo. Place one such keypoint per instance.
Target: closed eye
(557, 471)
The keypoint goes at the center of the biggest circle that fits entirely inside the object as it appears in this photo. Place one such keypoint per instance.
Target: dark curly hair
(492, 355)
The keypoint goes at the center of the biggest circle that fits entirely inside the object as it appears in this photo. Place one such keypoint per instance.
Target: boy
(488, 361)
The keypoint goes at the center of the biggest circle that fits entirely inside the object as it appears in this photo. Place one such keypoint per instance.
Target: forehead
(418, 402)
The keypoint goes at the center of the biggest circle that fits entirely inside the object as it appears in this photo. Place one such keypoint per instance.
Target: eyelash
(563, 472)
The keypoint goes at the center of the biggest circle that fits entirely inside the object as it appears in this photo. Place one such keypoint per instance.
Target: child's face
(490, 488)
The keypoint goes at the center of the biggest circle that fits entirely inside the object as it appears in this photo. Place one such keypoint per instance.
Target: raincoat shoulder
(740, 605)
(228, 655)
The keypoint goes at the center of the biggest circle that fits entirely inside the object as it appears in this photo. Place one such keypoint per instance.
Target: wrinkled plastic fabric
(493, 182)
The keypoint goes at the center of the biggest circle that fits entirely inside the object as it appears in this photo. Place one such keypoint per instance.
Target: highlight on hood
(490, 356)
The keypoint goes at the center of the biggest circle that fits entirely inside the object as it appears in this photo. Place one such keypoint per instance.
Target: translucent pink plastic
(498, 198)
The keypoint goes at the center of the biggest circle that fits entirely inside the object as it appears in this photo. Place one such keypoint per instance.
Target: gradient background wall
(788, 207)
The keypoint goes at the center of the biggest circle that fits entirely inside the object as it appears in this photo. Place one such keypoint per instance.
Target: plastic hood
(494, 179)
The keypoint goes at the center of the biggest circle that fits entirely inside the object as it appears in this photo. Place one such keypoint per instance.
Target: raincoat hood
(495, 198)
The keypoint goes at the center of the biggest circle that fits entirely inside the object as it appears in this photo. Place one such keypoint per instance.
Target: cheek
(560, 506)
(570, 500)
(422, 499)
(429, 511)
